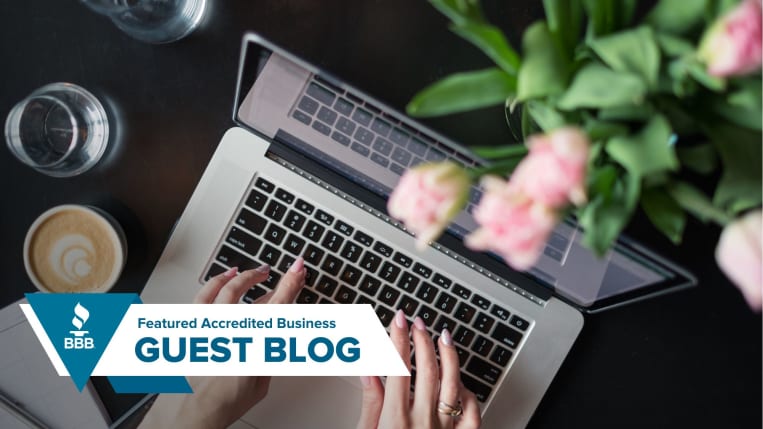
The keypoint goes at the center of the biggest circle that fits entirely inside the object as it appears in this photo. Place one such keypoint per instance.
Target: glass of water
(152, 21)
(60, 130)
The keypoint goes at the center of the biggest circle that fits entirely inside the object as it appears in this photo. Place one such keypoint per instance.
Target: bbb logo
(79, 339)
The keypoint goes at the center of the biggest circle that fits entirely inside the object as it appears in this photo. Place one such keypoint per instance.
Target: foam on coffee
(74, 250)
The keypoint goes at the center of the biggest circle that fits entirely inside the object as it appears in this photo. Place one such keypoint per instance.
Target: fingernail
(365, 380)
(400, 319)
(231, 272)
(264, 268)
(419, 324)
(446, 339)
(298, 265)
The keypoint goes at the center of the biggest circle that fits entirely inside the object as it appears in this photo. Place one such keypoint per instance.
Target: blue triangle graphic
(80, 326)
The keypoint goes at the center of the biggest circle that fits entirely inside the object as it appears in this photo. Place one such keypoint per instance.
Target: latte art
(71, 257)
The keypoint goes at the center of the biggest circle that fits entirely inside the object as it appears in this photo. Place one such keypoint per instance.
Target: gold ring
(445, 408)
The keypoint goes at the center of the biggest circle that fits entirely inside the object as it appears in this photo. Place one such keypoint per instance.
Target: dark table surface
(691, 359)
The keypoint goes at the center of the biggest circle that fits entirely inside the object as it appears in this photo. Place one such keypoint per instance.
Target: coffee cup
(74, 248)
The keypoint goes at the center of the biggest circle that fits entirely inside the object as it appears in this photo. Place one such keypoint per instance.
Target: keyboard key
(435, 155)
(465, 312)
(294, 221)
(286, 262)
(306, 296)
(320, 93)
(351, 251)
(416, 161)
(499, 312)
(382, 146)
(370, 261)
(519, 323)
(302, 117)
(326, 285)
(255, 293)
(463, 356)
(389, 295)
(441, 281)
(463, 336)
(294, 245)
(272, 280)
(284, 196)
(340, 138)
(308, 105)
(369, 285)
(251, 221)
(484, 370)
(304, 206)
(483, 322)
(311, 275)
(359, 148)
(256, 200)
(381, 127)
(500, 356)
(343, 228)
(244, 241)
(343, 106)
(345, 295)
(326, 115)
(389, 272)
(446, 302)
(264, 185)
(345, 126)
(332, 265)
(417, 146)
(482, 346)
(427, 314)
(379, 159)
(474, 195)
(214, 270)
(480, 389)
(426, 292)
(401, 156)
(444, 323)
(421, 270)
(364, 136)
(350, 275)
(362, 299)
(398, 136)
(402, 260)
(325, 301)
(505, 335)
(385, 315)
(332, 241)
(383, 249)
(462, 291)
(321, 128)
(408, 282)
(408, 305)
(270, 255)
(362, 116)
(324, 217)
(363, 238)
(275, 234)
(481, 302)
(313, 231)
(313, 254)
(233, 258)
(397, 169)
(275, 211)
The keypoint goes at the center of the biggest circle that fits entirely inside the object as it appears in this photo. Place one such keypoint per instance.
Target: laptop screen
(294, 103)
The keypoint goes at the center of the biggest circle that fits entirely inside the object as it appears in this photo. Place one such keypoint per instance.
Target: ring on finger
(450, 410)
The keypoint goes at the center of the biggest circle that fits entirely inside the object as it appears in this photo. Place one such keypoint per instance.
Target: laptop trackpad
(308, 402)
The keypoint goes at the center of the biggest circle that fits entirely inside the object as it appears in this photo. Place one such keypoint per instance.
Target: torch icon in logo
(81, 314)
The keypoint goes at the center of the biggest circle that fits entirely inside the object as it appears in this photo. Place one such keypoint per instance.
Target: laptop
(306, 171)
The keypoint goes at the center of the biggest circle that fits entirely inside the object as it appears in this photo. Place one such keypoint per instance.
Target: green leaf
(698, 71)
(673, 46)
(634, 51)
(500, 152)
(607, 16)
(602, 130)
(632, 113)
(565, 18)
(605, 216)
(500, 168)
(741, 152)
(544, 70)
(664, 213)
(647, 152)
(701, 158)
(463, 91)
(492, 42)
(716, 8)
(597, 86)
(696, 203)
(460, 11)
(677, 16)
(544, 115)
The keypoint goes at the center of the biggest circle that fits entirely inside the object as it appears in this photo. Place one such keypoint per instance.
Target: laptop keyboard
(345, 266)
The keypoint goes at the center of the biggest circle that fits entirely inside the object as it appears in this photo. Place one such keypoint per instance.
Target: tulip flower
(733, 45)
(740, 256)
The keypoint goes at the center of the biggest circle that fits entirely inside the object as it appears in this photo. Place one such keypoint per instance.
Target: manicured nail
(400, 319)
(446, 339)
(298, 265)
(365, 380)
(419, 324)
(264, 268)
(231, 272)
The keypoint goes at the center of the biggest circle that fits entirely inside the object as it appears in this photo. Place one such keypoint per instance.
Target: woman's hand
(217, 402)
(439, 401)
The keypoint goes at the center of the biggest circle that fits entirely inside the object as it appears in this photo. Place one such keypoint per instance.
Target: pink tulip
(739, 255)
(428, 197)
(733, 45)
(553, 172)
(511, 224)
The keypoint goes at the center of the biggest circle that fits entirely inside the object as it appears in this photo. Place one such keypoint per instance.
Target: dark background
(691, 359)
